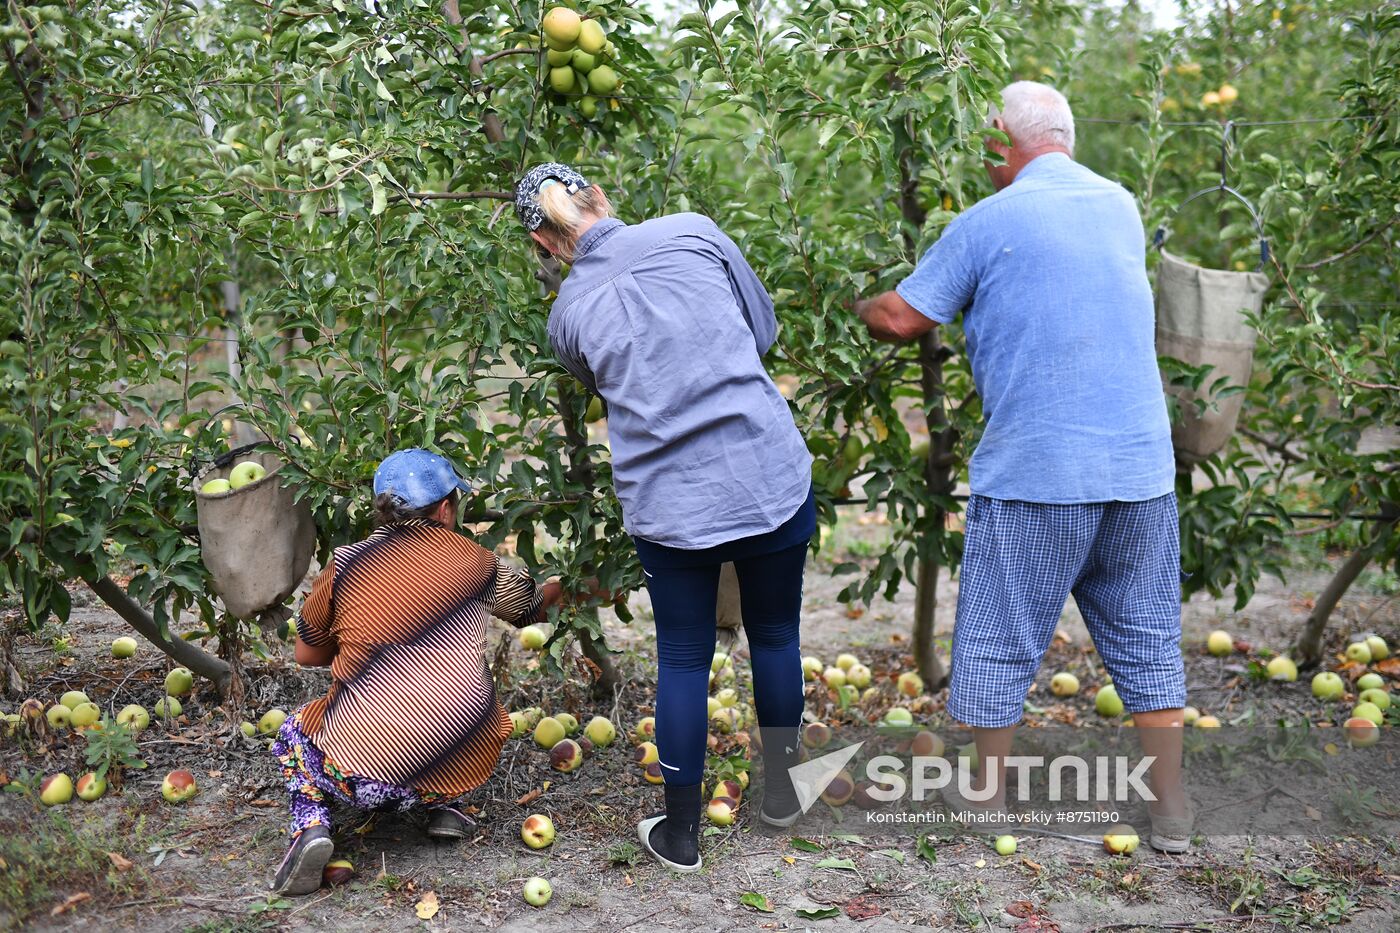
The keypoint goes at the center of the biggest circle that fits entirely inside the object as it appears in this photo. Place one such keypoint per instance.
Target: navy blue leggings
(683, 598)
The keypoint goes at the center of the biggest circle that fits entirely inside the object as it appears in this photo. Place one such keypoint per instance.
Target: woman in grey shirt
(666, 321)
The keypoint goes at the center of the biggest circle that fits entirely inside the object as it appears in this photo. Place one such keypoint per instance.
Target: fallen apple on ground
(1359, 652)
(566, 756)
(56, 789)
(926, 745)
(271, 721)
(1282, 668)
(726, 720)
(1362, 733)
(645, 728)
(568, 721)
(846, 661)
(59, 717)
(1120, 840)
(899, 716)
(600, 731)
(1379, 697)
(812, 668)
(124, 647)
(537, 891)
(859, 676)
(532, 638)
(1207, 722)
(653, 773)
(839, 790)
(91, 787)
(728, 697)
(718, 661)
(645, 754)
(910, 684)
(834, 677)
(1107, 703)
(1370, 681)
(179, 785)
(728, 788)
(816, 735)
(1326, 685)
(1189, 715)
(549, 732)
(179, 682)
(85, 715)
(1220, 643)
(167, 708)
(337, 872)
(249, 471)
(1064, 684)
(1368, 711)
(73, 699)
(719, 812)
(537, 831)
(1005, 845)
(247, 729)
(1379, 649)
(849, 694)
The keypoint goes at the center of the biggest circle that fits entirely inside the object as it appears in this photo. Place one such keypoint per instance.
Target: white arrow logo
(810, 778)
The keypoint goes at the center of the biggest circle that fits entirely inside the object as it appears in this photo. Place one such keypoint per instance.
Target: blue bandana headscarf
(527, 190)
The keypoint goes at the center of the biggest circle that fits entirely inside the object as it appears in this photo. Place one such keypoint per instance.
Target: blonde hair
(566, 214)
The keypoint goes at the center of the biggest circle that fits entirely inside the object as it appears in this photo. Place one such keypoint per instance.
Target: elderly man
(1072, 480)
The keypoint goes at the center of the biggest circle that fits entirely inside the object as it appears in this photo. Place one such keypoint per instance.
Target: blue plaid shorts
(1122, 563)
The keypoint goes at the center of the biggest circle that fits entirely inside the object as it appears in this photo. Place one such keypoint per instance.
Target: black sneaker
(300, 871)
(449, 823)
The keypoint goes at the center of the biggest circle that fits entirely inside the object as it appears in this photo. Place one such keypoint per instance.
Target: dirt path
(220, 849)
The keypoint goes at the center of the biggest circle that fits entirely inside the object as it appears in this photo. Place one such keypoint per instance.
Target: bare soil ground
(132, 861)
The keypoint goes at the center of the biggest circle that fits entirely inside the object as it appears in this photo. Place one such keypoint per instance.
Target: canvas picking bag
(1201, 322)
(257, 542)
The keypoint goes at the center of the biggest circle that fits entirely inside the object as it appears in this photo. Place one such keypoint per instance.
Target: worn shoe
(673, 837)
(449, 823)
(1172, 834)
(300, 871)
(780, 807)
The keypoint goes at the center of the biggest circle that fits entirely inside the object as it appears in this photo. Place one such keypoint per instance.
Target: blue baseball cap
(417, 477)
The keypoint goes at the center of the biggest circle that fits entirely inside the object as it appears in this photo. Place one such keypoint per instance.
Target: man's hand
(889, 317)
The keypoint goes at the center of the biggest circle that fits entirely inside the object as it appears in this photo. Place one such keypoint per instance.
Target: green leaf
(818, 913)
(926, 850)
(804, 845)
(837, 864)
(755, 901)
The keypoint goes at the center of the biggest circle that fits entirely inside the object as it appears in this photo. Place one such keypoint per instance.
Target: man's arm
(316, 646)
(312, 656)
(889, 317)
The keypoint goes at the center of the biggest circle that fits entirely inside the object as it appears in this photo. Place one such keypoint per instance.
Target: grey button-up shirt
(666, 321)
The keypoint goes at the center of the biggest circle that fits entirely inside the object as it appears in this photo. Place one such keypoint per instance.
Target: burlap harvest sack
(727, 612)
(257, 542)
(1201, 321)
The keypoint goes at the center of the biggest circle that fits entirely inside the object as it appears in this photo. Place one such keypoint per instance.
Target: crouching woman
(411, 720)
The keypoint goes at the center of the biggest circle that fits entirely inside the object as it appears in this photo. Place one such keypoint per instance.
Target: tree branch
(1350, 250)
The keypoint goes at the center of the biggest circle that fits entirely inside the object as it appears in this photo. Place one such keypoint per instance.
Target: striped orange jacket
(411, 701)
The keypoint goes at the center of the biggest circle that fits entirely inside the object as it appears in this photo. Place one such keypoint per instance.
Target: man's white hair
(1036, 115)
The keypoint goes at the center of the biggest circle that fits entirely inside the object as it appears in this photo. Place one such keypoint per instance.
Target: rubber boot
(674, 837)
(780, 753)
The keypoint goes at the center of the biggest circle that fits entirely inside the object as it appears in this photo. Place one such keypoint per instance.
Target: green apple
(1005, 845)
(56, 789)
(124, 647)
(73, 699)
(1380, 698)
(562, 25)
(595, 411)
(247, 729)
(645, 754)
(1064, 684)
(537, 891)
(216, 487)
(249, 471)
(1106, 701)
(562, 80)
(1120, 840)
(834, 677)
(848, 694)
(718, 661)
(90, 786)
(85, 715)
(1368, 711)
(519, 724)
(549, 732)
(720, 811)
(1220, 643)
(726, 720)
(271, 721)
(558, 58)
(645, 728)
(532, 637)
(1359, 652)
(566, 756)
(728, 697)
(1370, 681)
(1326, 685)
(1379, 649)
(582, 61)
(712, 706)
(591, 37)
(179, 785)
(59, 717)
(133, 717)
(537, 831)
(910, 684)
(1282, 668)
(846, 661)
(168, 708)
(899, 716)
(1189, 715)
(1207, 722)
(569, 723)
(812, 668)
(179, 682)
(602, 80)
(600, 731)
(858, 676)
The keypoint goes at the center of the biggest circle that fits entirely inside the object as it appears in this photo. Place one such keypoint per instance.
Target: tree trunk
(192, 657)
(1308, 649)
(605, 687)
